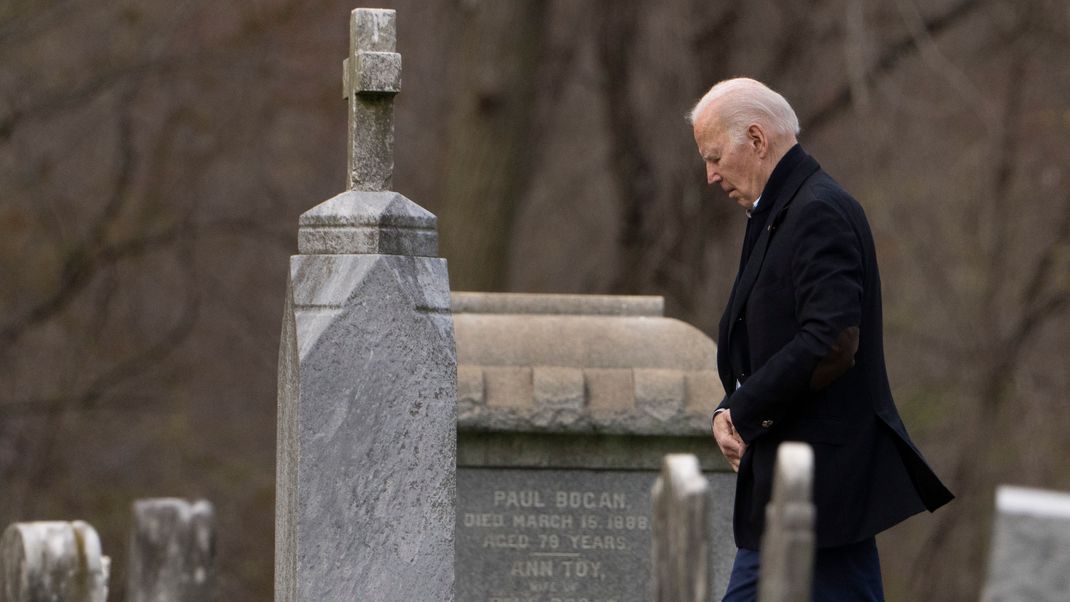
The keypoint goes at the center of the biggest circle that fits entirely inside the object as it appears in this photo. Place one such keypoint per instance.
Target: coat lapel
(782, 199)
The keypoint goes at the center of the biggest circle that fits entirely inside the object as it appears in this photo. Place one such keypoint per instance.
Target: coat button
(767, 423)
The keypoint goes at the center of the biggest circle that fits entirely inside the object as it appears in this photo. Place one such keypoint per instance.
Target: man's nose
(712, 177)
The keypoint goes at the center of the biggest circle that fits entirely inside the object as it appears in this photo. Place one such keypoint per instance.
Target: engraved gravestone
(566, 406)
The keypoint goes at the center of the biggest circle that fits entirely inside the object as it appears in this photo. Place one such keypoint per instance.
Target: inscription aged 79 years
(553, 535)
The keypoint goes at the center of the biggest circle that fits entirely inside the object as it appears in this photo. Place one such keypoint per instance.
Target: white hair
(747, 101)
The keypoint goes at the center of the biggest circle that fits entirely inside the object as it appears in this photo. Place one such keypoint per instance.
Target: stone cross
(1030, 554)
(367, 421)
(681, 546)
(371, 78)
(788, 540)
(172, 551)
(47, 561)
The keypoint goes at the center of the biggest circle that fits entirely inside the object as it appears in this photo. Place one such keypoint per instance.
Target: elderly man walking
(800, 350)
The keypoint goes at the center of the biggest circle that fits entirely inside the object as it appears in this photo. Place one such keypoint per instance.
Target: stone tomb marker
(367, 374)
(788, 540)
(1030, 554)
(567, 405)
(681, 546)
(172, 551)
(52, 560)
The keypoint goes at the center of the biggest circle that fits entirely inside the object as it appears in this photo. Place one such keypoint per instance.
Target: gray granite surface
(366, 431)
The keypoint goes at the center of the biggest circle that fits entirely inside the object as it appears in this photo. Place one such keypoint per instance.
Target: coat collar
(789, 174)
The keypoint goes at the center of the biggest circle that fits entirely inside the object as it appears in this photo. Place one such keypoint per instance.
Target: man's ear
(756, 138)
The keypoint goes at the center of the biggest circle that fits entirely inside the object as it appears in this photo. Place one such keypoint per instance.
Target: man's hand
(731, 444)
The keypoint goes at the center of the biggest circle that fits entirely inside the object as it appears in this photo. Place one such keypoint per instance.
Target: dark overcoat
(810, 278)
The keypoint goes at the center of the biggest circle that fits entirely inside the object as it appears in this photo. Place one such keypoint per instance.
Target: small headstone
(681, 547)
(788, 541)
(172, 551)
(52, 561)
(1030, 553)
(366, 469)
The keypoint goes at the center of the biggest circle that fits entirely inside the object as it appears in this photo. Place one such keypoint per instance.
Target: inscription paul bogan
(559, 545)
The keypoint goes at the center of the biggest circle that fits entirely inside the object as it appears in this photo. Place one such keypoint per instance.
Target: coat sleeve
(827, 276)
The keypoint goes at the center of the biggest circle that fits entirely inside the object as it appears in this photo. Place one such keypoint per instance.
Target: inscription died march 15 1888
(566, 405)
(553, 536)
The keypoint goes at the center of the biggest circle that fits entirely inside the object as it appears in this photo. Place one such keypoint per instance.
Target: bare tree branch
(1039, 305)
(931, 54)
(257, 25)
(79, 264)
(84, 266)
(70, 404)
(888, 60)
(711, 42)
(1048, 258)
(131, 366)
(67, 99)
(1005, 150)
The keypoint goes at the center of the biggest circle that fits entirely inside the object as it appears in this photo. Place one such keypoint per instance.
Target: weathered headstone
(172, 551)
(788, 541)
(52, 561)
(367, 374)
(1030, 553)
(567, 405)
(681, 544)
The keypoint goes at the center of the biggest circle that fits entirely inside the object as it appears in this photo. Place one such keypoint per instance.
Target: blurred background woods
(154, 157)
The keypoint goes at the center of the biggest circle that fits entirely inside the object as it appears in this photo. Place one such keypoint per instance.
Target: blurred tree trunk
(488, 156)
(631, 167)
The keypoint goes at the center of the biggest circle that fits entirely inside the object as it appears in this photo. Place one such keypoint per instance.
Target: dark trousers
(845, 573)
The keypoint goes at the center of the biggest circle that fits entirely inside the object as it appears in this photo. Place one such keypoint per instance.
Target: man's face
(735, 166)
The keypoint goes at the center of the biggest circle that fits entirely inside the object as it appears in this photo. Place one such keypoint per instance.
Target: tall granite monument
(367, 373)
